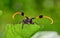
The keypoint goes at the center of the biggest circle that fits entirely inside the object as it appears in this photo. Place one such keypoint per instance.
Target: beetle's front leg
(22, 26)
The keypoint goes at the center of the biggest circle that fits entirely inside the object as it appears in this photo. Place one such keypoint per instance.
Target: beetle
(28, 20)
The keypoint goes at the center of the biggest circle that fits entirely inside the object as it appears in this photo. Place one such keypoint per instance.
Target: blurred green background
(31, 8)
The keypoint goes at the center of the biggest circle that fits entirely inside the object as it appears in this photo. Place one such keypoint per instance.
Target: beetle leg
(22, 26)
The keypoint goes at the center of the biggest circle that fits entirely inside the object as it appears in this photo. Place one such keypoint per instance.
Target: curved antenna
(41, 16)
(17, 13)
(49, 19)
(21, 13)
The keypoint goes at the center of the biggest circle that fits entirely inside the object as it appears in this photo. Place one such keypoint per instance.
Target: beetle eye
(41, 16)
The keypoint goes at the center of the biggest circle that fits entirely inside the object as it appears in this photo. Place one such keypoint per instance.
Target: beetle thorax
(28, 21)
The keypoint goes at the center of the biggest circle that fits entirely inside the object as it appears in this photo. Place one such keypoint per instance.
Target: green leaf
(16, 31)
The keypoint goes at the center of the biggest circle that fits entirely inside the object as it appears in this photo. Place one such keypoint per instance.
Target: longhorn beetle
(28, 20)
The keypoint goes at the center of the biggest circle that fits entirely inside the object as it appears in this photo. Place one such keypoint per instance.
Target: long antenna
(15, 14)
(49, 19)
